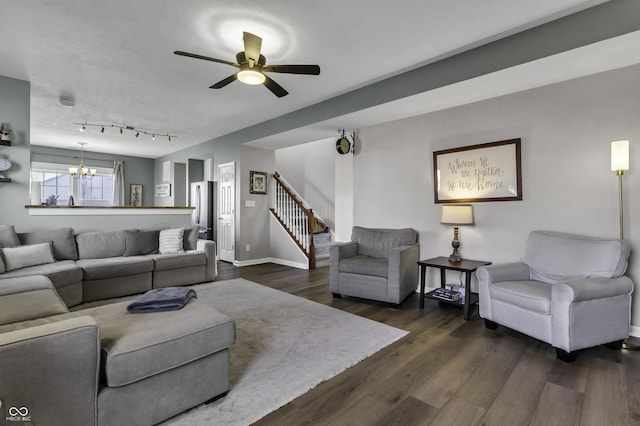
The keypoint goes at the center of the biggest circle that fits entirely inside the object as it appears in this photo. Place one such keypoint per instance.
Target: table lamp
(456, 215)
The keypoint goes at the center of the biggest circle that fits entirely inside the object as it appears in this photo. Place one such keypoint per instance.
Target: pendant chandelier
(82, 172)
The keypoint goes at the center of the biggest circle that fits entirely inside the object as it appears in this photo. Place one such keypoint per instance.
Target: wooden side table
(443, 263)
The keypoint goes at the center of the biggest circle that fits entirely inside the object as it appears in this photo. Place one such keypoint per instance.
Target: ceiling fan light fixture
(251, 77)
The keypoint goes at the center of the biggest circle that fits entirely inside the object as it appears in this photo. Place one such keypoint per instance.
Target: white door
(226, 218)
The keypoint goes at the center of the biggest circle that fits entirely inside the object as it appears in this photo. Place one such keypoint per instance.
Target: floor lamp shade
(620, 155)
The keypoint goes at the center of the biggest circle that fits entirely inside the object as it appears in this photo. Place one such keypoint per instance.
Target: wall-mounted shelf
(5, 143)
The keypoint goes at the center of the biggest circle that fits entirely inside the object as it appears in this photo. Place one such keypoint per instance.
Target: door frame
(229, 256)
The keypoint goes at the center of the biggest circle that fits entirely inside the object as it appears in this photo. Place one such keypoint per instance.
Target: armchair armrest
(344, 250)
(591, 288)
(337, 252)
(209, 249)
(49, 367)
(403, 271)
(514, 271)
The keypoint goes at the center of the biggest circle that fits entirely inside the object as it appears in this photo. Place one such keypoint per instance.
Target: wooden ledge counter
(39, 210)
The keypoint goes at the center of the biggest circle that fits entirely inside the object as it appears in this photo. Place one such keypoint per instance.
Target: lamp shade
(620, 155)
(458, 214)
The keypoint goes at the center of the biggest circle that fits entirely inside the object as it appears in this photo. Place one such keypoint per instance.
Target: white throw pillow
(170, 241)
(28, 255)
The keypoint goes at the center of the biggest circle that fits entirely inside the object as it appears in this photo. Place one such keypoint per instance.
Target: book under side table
(467, 266)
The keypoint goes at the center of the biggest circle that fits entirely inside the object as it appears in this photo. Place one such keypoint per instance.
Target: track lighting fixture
(132, 129)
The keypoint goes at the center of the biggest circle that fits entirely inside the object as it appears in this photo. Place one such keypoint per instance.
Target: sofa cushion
(27, 255)
(532, 295)
(554, 256)
(138, 346)
(62, 239)
(100, 245)
(112, 267)
(25, 299)
(61, 274)
(365, 265)
(378, 242)
(163, 262)
(137, 242)
(171, 241)
(8, 236)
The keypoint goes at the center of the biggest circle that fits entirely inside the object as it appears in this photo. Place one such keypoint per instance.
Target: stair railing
(296, 219)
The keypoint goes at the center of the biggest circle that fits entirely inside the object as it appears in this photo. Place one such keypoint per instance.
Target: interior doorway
(226, 206)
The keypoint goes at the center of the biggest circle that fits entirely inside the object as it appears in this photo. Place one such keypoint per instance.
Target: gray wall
(15, 113)
(568, 185)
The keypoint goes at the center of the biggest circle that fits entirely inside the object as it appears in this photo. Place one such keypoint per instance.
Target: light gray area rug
(286, 345)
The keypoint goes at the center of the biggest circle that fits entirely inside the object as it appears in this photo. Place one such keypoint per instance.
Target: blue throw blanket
(162, 299)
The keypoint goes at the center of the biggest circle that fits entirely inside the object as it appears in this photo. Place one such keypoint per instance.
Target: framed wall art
(258, 182)
(135, 195)
(163, 190)
(485, 172)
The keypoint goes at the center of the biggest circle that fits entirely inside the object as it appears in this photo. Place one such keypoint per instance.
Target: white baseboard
(634, 331)
(271, 260)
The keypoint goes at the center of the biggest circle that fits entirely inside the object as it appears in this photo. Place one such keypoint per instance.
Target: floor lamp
(620, 163)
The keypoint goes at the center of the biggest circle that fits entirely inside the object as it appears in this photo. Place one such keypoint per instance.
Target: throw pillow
(8, 236)
(170, 241)
(190, 238)
(29, 255)
(138, 242)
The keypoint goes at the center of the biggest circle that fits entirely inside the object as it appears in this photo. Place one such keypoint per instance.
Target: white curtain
(118, 183)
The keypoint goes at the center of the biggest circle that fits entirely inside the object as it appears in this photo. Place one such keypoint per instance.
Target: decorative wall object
(166, 171)
(258, 182)
(163, 190)
(135, 195)
(484, 172)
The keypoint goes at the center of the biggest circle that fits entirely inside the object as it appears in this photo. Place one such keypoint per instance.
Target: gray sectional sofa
(101, 265)
(104, 365)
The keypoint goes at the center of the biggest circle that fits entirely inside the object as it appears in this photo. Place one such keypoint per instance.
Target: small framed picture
(135, 195)
(163, 190)
(258, 182)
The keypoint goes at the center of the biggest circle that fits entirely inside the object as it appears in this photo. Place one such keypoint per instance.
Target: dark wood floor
(448, 371)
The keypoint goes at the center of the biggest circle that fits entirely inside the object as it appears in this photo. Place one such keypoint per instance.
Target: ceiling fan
(252, 66)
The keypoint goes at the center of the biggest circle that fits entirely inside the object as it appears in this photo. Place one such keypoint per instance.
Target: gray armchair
(568, 291)
(378, 264)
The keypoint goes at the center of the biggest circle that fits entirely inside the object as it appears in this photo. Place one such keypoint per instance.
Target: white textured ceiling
(116, 59)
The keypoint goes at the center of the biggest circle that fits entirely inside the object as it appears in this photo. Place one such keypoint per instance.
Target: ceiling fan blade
(275, 88)
(206, 58)
(222, 83)
(252, 47)
(294, 69)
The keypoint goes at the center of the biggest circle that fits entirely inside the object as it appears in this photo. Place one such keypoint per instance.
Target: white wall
(309, 168)
(566, 130)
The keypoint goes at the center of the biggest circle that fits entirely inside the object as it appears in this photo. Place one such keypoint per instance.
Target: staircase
(298, 220)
